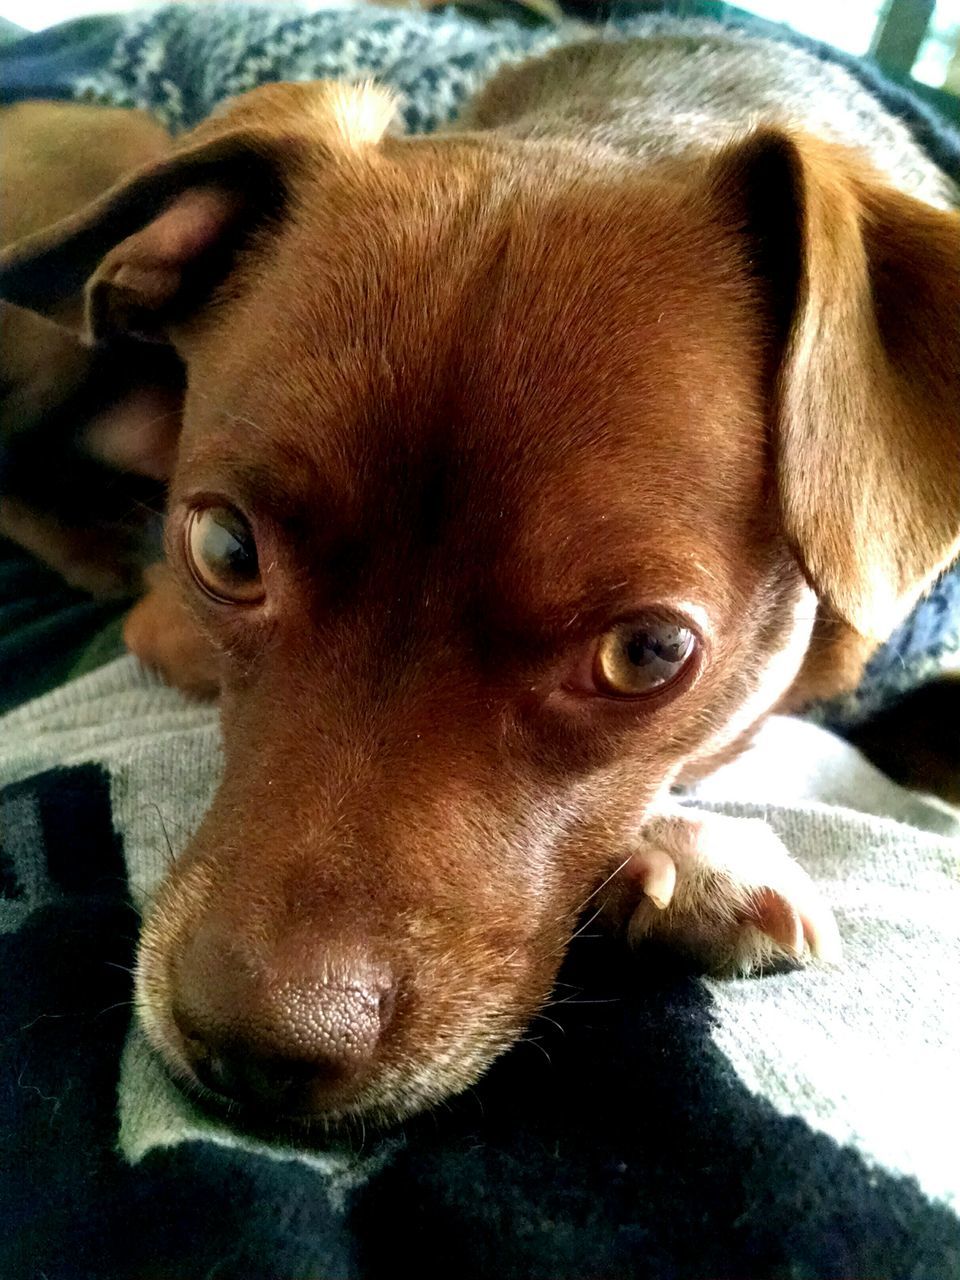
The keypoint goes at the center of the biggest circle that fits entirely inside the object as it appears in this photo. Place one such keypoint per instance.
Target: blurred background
(916, 37)
(915, 41)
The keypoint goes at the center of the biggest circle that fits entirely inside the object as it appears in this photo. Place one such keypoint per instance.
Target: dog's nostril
(186, 1026)
(275, 1083)
(386, 1005)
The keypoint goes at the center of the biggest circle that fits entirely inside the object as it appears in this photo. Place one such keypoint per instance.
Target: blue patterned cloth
(179, 61)
(925, 646)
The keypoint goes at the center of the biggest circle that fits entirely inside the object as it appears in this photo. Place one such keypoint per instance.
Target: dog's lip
(341, 1102)
(366, 1101)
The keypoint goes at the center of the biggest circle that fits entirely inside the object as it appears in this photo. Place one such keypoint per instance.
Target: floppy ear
(864, 286)
(149, 252)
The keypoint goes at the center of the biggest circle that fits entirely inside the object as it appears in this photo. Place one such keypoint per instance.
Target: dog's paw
(727, 893)
(159, 631)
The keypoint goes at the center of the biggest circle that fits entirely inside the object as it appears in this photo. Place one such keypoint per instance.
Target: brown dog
(96, 412)
(524, 470)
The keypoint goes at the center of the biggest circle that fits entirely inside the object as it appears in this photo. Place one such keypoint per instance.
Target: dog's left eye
(222, 555)
(641, 656)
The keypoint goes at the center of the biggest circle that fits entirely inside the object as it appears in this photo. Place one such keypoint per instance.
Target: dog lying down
(524, 469)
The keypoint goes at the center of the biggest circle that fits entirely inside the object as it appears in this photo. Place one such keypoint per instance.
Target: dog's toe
(726, 892)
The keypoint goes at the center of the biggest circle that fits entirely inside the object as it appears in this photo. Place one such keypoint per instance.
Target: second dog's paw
(726, 892)
(162, 635)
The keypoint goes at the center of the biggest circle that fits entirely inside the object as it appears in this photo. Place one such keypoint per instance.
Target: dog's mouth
(257, 1093)
(390, 1096)
(347, 1056)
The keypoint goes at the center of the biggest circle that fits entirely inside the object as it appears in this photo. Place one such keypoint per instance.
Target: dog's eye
(641, 656)
(222, 555)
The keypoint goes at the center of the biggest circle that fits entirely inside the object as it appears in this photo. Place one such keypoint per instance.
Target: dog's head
(510, 478)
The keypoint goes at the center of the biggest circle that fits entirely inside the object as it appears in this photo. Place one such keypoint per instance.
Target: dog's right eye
(222, 555)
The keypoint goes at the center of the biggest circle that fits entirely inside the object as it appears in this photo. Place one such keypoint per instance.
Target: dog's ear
(149, 252)
(863, 284)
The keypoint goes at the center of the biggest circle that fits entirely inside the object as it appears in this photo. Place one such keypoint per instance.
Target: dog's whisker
(570, 1000)
(542, 1017)
(171, 856)
(599, 889)
(535, 1042)
(43, 1017)
(120, 1004)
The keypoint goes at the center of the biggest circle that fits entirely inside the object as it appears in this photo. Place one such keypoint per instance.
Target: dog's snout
(295, 1033)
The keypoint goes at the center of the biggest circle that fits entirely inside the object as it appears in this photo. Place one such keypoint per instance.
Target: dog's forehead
(497, 363)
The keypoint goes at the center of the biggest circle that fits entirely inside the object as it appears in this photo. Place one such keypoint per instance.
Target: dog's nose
(291, 1038)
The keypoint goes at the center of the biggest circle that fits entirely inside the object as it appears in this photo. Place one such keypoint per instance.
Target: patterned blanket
(651, 1124)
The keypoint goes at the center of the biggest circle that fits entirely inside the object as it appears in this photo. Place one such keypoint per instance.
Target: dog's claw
(655, 874)
(777, 917)
(798, 920)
